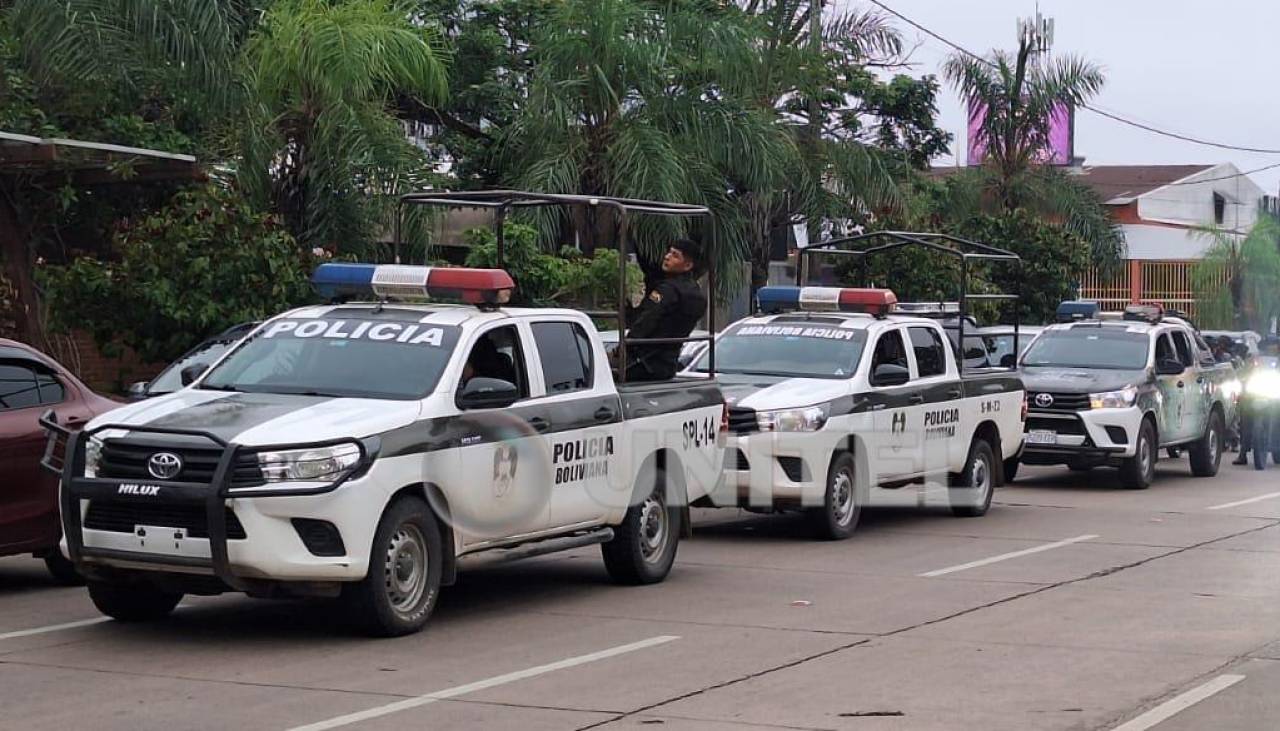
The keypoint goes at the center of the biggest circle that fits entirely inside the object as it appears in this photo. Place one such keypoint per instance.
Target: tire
(132, 602)
(1206, 453)
(399, 592)
(1137, 472)
(644, 545)
(61, 568)
(1010, 470)
(842, 502)
(972, 489)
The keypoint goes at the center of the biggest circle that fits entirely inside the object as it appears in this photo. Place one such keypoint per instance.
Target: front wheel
(61, 569)
(1206, 453)
(397, 595)
(971, 490)
(132, 603)
(643, 547)
(1138, 471)
(841, 504)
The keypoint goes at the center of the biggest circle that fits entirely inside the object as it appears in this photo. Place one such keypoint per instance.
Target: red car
(30, 384)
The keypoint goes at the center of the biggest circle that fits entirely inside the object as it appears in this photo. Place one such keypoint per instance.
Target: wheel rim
(654, 528)
(843, 504)
(405, 570)
(1214, 451)
(980, 477)
(1144, 455)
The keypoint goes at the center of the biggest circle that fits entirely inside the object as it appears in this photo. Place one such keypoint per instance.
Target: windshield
(1090, 348)
(170, 379)
(994, 350)
(351, 357)
(797, 351)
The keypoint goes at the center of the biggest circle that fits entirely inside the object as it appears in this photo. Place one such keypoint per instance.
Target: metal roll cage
(503, 202)
(963, 249)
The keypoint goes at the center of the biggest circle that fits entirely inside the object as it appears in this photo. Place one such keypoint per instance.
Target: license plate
(161, 539)
(1042, 436)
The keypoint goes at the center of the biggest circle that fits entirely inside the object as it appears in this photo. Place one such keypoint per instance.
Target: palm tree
(322, 144)
(1019, 98)
(1237, 282)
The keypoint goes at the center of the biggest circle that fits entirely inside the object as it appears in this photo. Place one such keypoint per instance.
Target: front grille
(1073, 427)
(123, 459)
(1061, 401)
(123, 516)
(742, 421)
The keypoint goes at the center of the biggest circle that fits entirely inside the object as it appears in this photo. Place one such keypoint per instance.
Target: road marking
(1006, 556)
(1178, 704)
(1257, 499)
(52, 628)
(456, 691)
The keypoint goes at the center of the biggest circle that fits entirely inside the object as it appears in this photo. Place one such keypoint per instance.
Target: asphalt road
(1073, 604)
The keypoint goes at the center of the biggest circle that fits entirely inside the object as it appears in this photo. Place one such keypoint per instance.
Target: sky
(1203, 69)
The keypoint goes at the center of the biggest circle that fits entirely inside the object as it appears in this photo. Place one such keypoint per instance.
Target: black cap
(692, 251)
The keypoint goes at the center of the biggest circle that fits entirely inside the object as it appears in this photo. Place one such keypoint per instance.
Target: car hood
(1079, 380)
(764, 393)
(264, 418)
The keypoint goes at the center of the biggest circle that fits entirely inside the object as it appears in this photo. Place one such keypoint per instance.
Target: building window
(1219, 208)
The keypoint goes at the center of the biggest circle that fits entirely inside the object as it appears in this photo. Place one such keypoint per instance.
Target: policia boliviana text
(670, 309)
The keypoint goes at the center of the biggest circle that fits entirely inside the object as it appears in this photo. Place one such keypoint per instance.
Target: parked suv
(30, 384)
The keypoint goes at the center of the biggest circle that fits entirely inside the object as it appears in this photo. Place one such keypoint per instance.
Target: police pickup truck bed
(362, 450)
(830, 411)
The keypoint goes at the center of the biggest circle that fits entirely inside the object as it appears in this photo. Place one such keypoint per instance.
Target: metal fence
(1170, 282)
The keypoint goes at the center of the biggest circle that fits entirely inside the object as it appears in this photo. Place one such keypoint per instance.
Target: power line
(1095, 110)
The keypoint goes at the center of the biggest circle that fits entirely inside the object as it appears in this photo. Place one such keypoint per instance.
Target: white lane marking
(1178, 704)
(456, 691)
(1257, 499)
(1006, 556)
(52, 628)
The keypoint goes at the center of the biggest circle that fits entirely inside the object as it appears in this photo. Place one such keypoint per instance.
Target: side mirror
(192, 372)
(1008, 360)
(487, 393)
(890, 375)
(1170, 367)
(138, 389)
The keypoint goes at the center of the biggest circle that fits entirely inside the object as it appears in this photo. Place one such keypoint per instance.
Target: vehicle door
(1171, 389)
(1194, 387)
(503, 451)
(584, 417)
(895, 439)
(936, 399)
(29, 495)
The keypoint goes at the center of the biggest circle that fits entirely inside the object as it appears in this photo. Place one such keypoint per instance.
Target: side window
(1185, 353)
(51, 390)
(1206, 353)
(890, 351)
(18, 389)
(930, 357)
(497, 354)
(565, 353)
(1164, 349)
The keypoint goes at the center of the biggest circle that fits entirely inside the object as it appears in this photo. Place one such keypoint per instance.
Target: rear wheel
(132, 602)
(1138, 471)
(399, 592)
(1206, 453)
(841, 505)
(971, 490)
(643, 547)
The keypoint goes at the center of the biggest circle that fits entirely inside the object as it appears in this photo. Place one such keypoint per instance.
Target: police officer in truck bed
(671, 309)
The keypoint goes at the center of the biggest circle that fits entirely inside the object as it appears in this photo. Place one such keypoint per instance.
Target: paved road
(1072, 605)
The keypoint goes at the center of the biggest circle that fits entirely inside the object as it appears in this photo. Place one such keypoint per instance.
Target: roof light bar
(1076, 310)
(926, 309)
(337, 280)
(877, 302)
(1149, 312)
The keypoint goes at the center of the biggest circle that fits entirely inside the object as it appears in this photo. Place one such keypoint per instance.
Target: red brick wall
(103, 373)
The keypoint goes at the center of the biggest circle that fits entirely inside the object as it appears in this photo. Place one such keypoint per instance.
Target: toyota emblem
(164, 465)
(1044, 400)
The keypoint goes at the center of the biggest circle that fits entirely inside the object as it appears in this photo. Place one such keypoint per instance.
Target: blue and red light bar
(876, 302)
(337, 280)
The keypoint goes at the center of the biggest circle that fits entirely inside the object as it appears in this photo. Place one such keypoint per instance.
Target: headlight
(316, 464)
(1122, 399)
(808, 419)
(92, 456)
(1232, 389)
(1264, 385)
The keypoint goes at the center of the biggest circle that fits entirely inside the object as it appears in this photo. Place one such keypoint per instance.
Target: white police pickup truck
(361, 450)
(835, 404)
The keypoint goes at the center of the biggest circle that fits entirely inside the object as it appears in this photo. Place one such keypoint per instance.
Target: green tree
(1237, 282)
(1019, 95)
(1052, 260)
(206, 261)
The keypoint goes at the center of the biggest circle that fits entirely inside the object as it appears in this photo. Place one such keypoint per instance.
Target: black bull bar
(212, 495)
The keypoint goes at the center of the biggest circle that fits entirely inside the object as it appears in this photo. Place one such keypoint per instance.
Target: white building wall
(1163, 242)
(1190, 203)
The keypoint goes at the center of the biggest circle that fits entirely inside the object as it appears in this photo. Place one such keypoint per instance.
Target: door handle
(539, 423)
(955, 393)
(916, 399)
(604, 413)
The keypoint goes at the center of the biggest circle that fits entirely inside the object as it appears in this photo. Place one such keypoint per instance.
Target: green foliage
(1237, 282)
(205, 262)
(567, 279)
(1052, 261)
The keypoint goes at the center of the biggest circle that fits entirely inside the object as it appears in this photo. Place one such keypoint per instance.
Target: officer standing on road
(1269, 347)
(671, 309)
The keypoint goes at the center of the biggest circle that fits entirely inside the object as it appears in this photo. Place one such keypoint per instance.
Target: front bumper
(207, 528)
(1094, 435)
(775, 470)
